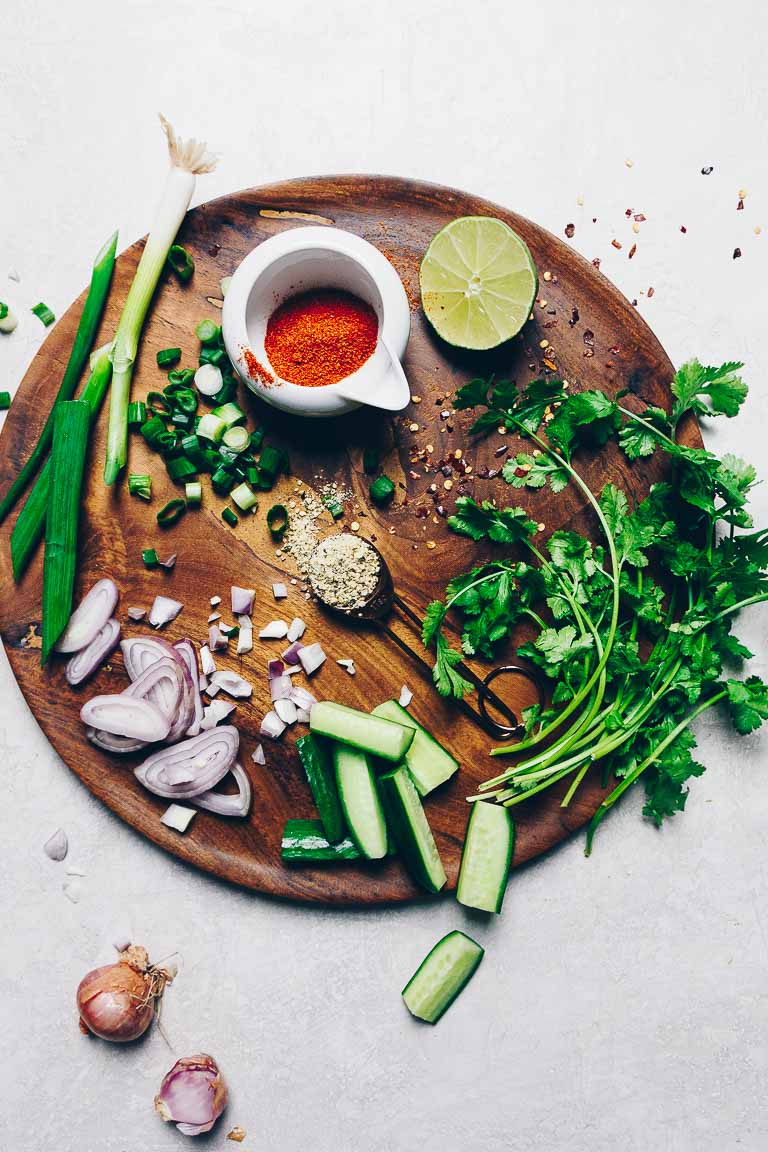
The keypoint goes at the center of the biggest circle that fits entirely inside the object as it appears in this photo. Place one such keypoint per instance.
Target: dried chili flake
(574, 317)
(569, 230)
(628, 212)
(740, 206)
(651, 292)
(616, 243)
(502, 450)
(683, 228)
(589, 337)
(596, 261)
(640, 218)
(632, 251)
(736, 253)
(708, 170)
(214, 250)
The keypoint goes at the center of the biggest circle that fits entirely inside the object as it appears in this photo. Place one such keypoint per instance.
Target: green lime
(478, 282)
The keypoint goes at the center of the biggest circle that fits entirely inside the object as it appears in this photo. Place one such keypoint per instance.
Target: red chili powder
(320, 337)
(256, 371)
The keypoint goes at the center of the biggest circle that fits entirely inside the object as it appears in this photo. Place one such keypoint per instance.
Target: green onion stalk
(86, 332)
(30, 522)
(189, 158)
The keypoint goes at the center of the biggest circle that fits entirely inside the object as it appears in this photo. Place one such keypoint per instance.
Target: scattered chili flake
(422, 512)
(257, 371)
(594, 219)
(589, 337)
(550, 366)
(683, 228)
(616, 243)
(521, 472)
(214, 250)
(589, 352)
(708, 170)
(569, 230)
(736, 253)
(501, 450)
(596, 261)
(740, 206)
(640, 218)
(632, 251)
(628, 212)
(616, 350)
(574, 317)
(651, 292)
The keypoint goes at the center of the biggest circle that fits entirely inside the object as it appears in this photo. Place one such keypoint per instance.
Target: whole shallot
(192, 1095)
(118, 1001)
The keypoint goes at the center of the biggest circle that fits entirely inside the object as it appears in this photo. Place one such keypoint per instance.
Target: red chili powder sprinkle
(256, 371)
(320, 337)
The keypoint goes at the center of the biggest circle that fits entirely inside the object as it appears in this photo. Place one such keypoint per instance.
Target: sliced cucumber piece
(428, 762)
(315, 755)
(441, 976)
(486, 857)
(369, 733)
(410, 828)
(304, 841)
(360, 800)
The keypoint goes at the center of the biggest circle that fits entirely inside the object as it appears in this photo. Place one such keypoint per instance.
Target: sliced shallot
(89, 617)
(139, 652)
(208, 756)
(167, 684)
(228, 803)
(123, 745)
(215, 712)
(126, 716)
(85, 662)
(163, 611)
(186, 650)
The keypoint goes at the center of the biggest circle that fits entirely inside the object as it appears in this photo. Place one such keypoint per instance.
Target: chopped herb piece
(229, 517)
(277, 520)
(140, 485)
(44, 314)
(381, 490)
(171, 513)
(168, 357)
(180, 262)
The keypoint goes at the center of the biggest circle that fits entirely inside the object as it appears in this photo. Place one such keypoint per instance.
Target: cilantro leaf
(708, 391)
(636, 440)
(473, 395)
(432, 623)
(555, 646)
(664, 782)
(502, 525)
(583, 418)
(524, 471)
(448, 681)
(747, 703)
(615, 508)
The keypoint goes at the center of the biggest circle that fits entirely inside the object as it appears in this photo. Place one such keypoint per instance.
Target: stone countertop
(622, 1000)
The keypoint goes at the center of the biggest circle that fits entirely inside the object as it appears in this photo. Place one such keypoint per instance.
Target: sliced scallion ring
(277, 520)
(207, 332)
(208, 379)
(180, 262)
(140, 485)
(244, 497)
(171, 513)
(211, 428)
(194, 494)
(237, 438)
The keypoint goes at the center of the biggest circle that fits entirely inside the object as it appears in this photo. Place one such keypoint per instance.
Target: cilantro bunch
(633, 657)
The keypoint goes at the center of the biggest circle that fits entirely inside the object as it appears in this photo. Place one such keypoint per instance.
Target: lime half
(478, 282)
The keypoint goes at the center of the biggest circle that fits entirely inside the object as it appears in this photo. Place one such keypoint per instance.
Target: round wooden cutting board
(596, 340)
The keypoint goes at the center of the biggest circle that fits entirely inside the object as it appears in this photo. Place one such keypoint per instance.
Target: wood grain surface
(596, 339)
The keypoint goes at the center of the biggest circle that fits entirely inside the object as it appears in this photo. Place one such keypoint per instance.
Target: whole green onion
(171, 513)
(31, 520)
(140, 485)
(44, 314)
(81, 346)
(71, 424)
(187, 160)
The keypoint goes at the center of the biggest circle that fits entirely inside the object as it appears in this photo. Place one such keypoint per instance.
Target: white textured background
(622, 1001)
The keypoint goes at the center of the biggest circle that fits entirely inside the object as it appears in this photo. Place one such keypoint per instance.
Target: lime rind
(478, 282)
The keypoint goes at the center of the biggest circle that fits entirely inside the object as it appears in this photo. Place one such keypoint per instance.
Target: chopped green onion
(5, 401)
(227, 392)
(371, 460)
(228, 457)
(244, 496)
(171, 513)
(71, 424)
(168, 357)
(229, 517)
(182, 420)
(270, 461)
(139, 485)
(230, 413)
(180, 262)
(180, 468)
(257, 439)
(150, 558)
(30, 522)
(236, 438)
(208, 380)
(8, 321)
(180, 376)
(137, 414)
(159, 404)
(151, 430)
(193, 492)
(222, 481)
(44, 314)
(335, 508)
(166, 441)
(209, 355)
(207, 332)
(211, 428)
(192, 449)
(187, 160)
(86, 331)
(186, 400)
(381, 490)
(3, 310)
(252, 475)
(277, 520)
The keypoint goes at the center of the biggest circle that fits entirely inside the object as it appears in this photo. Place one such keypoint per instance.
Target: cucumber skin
(329, 711)
(342, 748)
(391, 709)
(461, 987)
(304, 843)
(501, 891)
(315, 756)
(400, 827)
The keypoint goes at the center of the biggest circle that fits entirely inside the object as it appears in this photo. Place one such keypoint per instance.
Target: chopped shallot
(163, 611)
(275, 668)
(311, 657)
(214, 616)
(279, 591)
(242, 600)
(214, 601)
(291, 655)
(258, 756)
(245, 635)
(136, 613)
(214, 713)
(280, 689)
(302, 716)
(275, 630)
(216, 639)
(178, 817)
(405, 696)
(56, 846)
(348, 666)
(207, 663)
(302, 698)
(272, 726)
(286, 710)
(296, 629)
(169, 563)
(232, 684)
